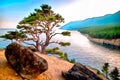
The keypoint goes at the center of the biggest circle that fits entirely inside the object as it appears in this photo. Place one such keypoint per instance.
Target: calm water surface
(88, 53)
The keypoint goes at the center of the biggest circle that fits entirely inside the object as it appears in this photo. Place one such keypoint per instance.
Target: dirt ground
(56, 66)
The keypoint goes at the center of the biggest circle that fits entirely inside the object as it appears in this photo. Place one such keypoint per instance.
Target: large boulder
(24, 61)
(80, 72)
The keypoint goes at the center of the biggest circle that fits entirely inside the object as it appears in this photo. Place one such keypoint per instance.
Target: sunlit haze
(12, 11)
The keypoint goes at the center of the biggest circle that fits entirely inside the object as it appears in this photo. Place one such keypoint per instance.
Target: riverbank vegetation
(110, 75)
(106, 32)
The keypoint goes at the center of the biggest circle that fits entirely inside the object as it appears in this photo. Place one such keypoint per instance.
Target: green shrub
(62, 55)
(114, 74)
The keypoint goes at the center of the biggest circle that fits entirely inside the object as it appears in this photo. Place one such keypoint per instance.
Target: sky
(13, 11)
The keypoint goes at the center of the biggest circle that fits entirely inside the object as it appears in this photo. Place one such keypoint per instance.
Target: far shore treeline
(105, 32)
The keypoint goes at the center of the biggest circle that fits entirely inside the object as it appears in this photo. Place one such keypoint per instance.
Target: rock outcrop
(80, 72)
(24, 61)
(56, 66)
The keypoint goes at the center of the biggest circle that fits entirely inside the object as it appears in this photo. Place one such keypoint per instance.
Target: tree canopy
(41, 22)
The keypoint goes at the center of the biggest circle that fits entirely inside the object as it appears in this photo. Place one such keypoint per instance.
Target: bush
(114, 74)
(62, 55)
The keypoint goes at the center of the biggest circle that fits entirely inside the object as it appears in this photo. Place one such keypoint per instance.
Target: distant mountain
(107, 20)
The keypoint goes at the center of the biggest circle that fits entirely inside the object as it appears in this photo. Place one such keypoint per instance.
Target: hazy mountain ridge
(106, 20)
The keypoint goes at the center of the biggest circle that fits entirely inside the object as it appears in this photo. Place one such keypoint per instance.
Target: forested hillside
(106, 32)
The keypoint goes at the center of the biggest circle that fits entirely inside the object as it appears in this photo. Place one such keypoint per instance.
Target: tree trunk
(38, 46)
(47, 39)
(107, 75)
(43, 51)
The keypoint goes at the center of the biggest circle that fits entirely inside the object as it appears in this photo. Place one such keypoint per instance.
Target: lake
(82, 50)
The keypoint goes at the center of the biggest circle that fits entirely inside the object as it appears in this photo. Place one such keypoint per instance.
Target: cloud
(82, 9)
(6, 23)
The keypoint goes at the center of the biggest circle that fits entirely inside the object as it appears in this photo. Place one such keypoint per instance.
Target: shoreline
(111, 44)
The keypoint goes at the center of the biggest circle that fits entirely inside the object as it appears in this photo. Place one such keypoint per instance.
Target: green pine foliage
(64, 44)
(42, 21)
(66, 33)
(14, 35)
(114, 74)
(107, 32)
(105, 69)
(58, 52)
(98, 72)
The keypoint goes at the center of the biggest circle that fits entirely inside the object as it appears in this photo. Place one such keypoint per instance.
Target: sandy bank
(113, 43)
